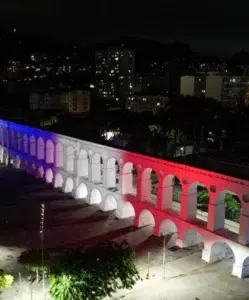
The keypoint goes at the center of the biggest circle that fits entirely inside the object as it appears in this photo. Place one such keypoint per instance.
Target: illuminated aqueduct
(105, 176)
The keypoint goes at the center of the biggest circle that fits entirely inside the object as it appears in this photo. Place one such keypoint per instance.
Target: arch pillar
(139, 185)
(180, 237)
(105, 173)
(244, 227)
(186, 213)
(216, 214)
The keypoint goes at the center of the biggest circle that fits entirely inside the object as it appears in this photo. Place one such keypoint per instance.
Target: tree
(6, 280)
(94, 274)
(32, 260)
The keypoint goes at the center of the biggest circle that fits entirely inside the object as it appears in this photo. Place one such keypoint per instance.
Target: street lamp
(42, 215)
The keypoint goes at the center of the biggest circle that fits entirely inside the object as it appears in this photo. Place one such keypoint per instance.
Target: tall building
(115, 74)
(193, 85)
(230, 91)
(149, 103)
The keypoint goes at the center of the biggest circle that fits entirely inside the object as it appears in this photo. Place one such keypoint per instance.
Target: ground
(71, 223)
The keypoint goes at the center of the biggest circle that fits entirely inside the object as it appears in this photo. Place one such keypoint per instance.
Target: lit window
(116, 58)
(158, 104)
(203, 91)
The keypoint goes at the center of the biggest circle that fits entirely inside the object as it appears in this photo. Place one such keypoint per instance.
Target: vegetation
(92, 274)
(32, 260)
(6, 280)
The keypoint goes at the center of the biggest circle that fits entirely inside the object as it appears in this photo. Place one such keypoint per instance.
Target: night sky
(212, 27)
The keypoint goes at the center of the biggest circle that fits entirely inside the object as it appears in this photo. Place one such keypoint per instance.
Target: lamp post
(164, 256)
(42, 215)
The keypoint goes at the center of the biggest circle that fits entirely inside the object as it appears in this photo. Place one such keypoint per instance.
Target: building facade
(143, 103)
(115, 74)
(193, 85)
(227, 89)
(73, 101)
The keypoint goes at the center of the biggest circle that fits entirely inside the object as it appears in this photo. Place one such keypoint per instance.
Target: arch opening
(149, 186)
(49, 152)
(17, 162)
(193, 239)
(197, 201)
(32, 146)
(82, 164)
(25, 143)
(49, 176)
(112, 174)
(221, 251)
(169, 230)
(229, 211)
(24, 164)
(59, 155)
(40, 148)
(70, 159)
(69, 185)
(146, 218)
(5, 158)
(11, 138)
(31, 168)
(97, 168)
(81, 191)
(18, 141)
(95, 197)
(109, 204)
(172, 191)
(40, 172)
(245, 268)
(58, 181)
(129, 179)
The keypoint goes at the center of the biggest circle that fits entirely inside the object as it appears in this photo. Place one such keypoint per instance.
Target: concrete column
(188, 209)
(244, 229)
(105, 173)
(139, 186)
(216, 214)
(241, 267)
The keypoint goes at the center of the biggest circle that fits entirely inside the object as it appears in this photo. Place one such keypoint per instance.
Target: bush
(6, 280)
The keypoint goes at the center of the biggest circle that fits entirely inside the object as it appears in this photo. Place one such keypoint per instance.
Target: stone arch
(25, 141)
(17, 162)
(146, 218)
(32, 145)
(40, 148)
(96, 168)
(109, 204)
(112, 176)
(245, 268)
(18, 141)
(69, 185)
(128, 211)
(171, 192)
(58, 181)
(49, 152)
(168, 228)
(69, 159)
(129, 179)
(40, 172)
(220, 250)
(193, 195)
(59, 155)
(149, 185)
(228, 208)
(81, 191)
(82, 164)
(95, 197)
(49, 176)
(193, 238)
